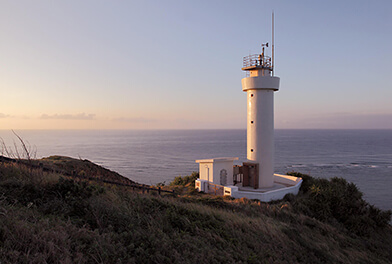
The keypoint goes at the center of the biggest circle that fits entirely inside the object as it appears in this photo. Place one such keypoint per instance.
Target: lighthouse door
(223, 177)
(251, 175)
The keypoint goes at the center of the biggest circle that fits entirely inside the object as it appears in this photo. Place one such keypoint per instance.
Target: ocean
(363, 157)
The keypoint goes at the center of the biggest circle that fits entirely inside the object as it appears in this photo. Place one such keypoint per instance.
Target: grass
(49, 217)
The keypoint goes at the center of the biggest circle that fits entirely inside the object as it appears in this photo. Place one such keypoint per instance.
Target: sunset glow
(177, 65)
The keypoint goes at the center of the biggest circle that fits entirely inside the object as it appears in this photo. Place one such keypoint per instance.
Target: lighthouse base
(283, 184)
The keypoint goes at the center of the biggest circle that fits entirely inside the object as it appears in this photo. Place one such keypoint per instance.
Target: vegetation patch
(337, 200)
(49, 216)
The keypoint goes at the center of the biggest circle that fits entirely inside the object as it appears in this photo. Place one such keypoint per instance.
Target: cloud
(81, 116)
(133, 120)
(3, 115)
(339, 121)
(361, 121)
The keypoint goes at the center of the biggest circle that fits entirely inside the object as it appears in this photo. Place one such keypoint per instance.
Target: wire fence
(144, 188)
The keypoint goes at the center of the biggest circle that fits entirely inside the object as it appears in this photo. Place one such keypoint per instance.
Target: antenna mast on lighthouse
(273, 42)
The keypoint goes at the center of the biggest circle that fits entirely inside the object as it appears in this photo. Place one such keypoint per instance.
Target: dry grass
(48, 218)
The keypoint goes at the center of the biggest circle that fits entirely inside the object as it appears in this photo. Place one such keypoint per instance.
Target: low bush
(185, 180)
(341, 201)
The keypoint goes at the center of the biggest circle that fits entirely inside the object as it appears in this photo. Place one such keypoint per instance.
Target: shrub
(186, 180)
(341, 201)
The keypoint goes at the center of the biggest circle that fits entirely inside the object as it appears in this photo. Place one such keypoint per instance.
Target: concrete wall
(260, 133)
(260, 88)
(223, 173)
(205, 171)
(217, 171)
(293, 182)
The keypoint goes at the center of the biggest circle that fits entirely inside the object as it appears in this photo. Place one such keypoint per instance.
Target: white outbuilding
(217, 171)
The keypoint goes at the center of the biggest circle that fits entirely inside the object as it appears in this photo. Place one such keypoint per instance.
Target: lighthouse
(260, 87)
(254, 178)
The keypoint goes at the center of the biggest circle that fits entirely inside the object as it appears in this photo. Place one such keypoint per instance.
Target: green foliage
(341, 201)
(307, 181)
(161, 184)
(186, 180)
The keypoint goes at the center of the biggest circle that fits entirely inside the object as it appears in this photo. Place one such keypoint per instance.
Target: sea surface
(363, 157)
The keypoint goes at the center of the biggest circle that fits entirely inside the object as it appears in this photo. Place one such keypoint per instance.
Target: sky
(177, 64)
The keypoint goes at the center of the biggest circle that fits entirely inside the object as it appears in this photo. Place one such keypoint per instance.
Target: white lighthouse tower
(254, 178)
(260, 87)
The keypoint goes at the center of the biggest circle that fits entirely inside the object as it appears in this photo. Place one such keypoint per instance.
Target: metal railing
(215, 189)
(257, 60)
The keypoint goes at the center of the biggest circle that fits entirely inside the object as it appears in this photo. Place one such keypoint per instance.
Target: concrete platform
(276, 186)
(283, 184)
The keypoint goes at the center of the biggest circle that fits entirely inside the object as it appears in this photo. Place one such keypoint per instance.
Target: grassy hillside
(49, 216)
